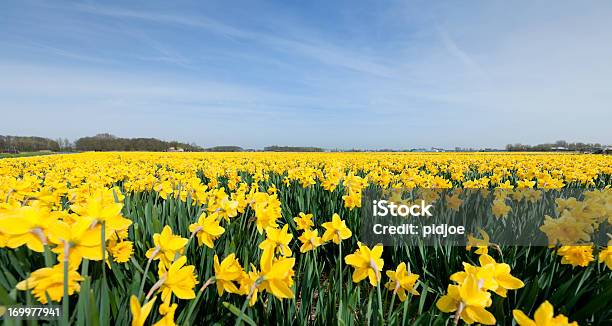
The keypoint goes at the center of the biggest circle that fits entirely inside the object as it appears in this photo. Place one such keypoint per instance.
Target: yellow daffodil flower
(303, 221)
(277, 242)
(576, 255)
(336, 230)
(542, 317)
(310, 240)
(226, 273)
(50, 281)
(277, 276)
(401, 282)
(168, 312)
(83, 238)
(207, 229)
(493, 276)
(267, 210)
(26, 225)
(469, 301)
(100, 208)
(167, 246)
(605, 256)
(121, 251)
(178, 280)
(482, 245)
(367, 263)
(500, 209)
(140, 314)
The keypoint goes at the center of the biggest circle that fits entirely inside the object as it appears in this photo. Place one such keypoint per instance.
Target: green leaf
(233, 309)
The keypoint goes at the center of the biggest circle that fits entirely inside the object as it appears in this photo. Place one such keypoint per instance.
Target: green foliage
(559, 145)
(16, 144)
(225, 149)
(108, 142)
(291, 149)
(24, 154)
(320, 297)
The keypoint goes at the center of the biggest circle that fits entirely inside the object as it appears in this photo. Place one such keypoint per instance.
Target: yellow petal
(522, 319)
(359, 274)
(372, 276)
(376, 251)
(280, 289)
(480, 315)
(183, 292)
(447, 304)
(544, 313)
(355, 260)
(509, 282)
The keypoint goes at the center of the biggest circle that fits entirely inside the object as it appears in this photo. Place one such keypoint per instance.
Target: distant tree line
(27, 144)
(225, 149)
(108, 142)
(560, 145)
(291, 149)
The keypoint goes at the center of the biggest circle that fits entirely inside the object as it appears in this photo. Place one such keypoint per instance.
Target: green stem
(85, 268)
(380, 305)
(339, 314)
(197, 298)
(340, 264)
(391, 307)
(103, 245)
(314, 262)
(138, 268)
(244, 305)
(246, 302)
(146, 270)
(65, 303)
(48, 257)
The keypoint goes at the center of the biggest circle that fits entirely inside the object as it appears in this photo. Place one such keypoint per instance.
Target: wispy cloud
(454, 50)
(343, 76)
(315, 49)
(44, 49)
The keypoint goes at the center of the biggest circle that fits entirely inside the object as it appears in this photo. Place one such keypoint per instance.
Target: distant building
(177, 149)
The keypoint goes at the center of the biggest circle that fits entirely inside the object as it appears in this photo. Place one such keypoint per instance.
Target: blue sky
(345, 74)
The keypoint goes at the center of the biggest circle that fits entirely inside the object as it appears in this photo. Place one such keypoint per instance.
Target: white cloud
(471, 78)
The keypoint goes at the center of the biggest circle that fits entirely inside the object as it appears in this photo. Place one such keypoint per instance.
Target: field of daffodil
(273, 238)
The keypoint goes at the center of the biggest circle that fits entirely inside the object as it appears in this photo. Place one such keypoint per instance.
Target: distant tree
(105, 136)
(225, 149)
(560, 145)
(64, 144)
(292, 149)
(108, 142)
(27, 144)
